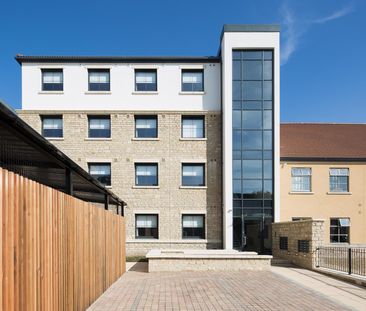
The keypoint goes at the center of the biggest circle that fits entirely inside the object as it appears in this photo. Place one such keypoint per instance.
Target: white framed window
(193, 174)
(339, 180)
(301, 179)
(145, 80)
(52, 80)
(193, 126)
(146, 174)
(192, 80)
(99, 126)
(146, 226)
(52, 126)
(193, 226)
(99, 79)
(101, 172)
(146, 126)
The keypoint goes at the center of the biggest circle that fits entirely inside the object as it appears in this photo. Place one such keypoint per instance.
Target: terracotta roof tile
(323, 141)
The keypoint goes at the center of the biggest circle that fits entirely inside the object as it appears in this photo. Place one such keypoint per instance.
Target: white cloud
(337, 14)
(294, 27)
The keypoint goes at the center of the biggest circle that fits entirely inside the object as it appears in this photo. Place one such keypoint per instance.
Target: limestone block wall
(169, 150)
(304, 230)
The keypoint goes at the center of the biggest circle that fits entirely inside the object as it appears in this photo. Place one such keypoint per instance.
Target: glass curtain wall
(252, 149)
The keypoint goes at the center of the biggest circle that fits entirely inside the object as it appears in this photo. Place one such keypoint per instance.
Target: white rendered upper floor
(124, 72)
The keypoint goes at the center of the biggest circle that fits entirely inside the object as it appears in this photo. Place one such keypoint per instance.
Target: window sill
(108, 187)
(145, 139)
(54, 138)
(193, 187)
(192, 93)
(192, 139)
(301, 192)
(165, 241)
(98, 138)
(145, 93)
(98, 92)
(145, 187)
(51, 92)
(339, 193)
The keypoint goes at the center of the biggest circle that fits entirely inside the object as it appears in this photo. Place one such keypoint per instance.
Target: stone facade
(169, 150)
(308, 230)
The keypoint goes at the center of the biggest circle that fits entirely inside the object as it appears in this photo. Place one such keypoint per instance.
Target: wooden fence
(56, 252)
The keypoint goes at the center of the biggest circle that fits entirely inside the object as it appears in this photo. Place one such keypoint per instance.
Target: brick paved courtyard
(247, 290)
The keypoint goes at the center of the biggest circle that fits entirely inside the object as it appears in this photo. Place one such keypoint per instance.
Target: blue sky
(323, 42)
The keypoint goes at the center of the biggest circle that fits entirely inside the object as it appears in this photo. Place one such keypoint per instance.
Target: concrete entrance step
(279, 262)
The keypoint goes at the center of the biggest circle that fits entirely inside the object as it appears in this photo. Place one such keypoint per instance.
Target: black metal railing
(349, 259)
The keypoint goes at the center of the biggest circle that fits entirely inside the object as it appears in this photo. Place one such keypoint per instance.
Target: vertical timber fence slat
(57, 252)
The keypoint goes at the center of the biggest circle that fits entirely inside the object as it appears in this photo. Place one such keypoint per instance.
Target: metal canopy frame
(27, 153)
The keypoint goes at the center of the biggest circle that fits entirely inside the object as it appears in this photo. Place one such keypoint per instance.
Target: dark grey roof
(26, 152)
(251, 28)
(116, 59)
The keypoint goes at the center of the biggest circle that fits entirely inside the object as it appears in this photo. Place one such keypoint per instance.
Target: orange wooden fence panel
(57, 252)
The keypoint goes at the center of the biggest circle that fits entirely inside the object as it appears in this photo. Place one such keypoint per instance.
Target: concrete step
(279, 262)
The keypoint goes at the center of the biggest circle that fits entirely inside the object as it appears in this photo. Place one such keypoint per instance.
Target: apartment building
(190, 143)
(323, 176)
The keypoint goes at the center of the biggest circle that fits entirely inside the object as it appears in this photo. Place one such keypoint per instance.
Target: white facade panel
(122, 95)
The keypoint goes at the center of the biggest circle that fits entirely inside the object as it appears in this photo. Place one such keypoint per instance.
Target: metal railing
(349, 259)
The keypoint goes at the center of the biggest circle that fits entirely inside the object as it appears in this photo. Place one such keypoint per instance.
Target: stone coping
(203, 254)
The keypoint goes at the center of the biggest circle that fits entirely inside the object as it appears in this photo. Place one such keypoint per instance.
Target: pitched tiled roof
(323, 141)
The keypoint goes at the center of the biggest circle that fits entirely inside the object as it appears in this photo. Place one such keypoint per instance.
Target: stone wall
(305, 230)
(169, 200)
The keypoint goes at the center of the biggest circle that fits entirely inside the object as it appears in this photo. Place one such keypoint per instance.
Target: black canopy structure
(27, 153)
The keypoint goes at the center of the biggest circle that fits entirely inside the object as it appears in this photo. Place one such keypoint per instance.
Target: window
(99, 126)
(284, 243)
(339, 179)
(146, 174)
(192, 80)
(303, 246)
(193, 227)
(339, 230)
(147, 227)
(193, 174)
(52, 126)
(146, 127)
(52, 80)
(193, 127)
(101, 172)
(99, 80)
(145, 80)
(301, 179)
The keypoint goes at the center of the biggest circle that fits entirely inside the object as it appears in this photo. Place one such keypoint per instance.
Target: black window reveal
(339, 230)
(147, 226)
(52, 126)
(101, 172)
(192, 80)
(52, 80)
(145, 80)
(303, 246)
(193, 226)
(99, 126)
(284, 243)
(99, 79)
(146, 126)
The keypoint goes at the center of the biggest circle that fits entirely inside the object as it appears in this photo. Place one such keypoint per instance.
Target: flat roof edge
(251, 28)
(116, 59)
